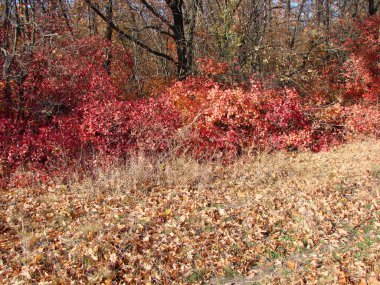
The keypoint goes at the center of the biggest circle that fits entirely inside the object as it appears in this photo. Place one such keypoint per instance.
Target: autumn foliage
(362, 69)
(68, 108)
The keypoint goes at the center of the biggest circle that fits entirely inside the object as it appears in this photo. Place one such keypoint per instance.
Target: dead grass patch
(267, 219)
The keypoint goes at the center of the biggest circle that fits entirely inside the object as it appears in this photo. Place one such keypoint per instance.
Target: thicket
(69, 109)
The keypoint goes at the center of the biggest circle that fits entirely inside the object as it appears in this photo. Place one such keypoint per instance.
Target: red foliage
(116, 127)
(363, 120)
(363, 68)
(68, 106)
(362, 79)
(347, 94)
(45, 121)
(226, 120)
(209, 66)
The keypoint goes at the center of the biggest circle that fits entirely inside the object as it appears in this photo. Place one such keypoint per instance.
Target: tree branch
(155, 13)
(127, 36)
(158, 29)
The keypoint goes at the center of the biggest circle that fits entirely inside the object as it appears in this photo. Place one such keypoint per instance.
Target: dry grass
(270, 219)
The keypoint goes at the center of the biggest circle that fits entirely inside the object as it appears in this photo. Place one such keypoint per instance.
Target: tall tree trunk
(108, 36)
(191, 30)
(318, 11)
(327, 21)
(179, 37)
(5, 21)
(372, 7)
(300, 11)
(92, 23)
(7, 58)
(288, 9)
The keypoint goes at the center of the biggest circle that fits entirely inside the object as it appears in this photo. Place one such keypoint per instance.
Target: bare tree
(108, 35)
(373, 7)
(171, 24)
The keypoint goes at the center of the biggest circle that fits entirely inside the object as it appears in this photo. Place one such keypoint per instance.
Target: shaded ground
(282, 219)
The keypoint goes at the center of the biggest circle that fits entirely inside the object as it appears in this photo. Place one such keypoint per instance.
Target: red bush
(116, 127)
(363, 120)
(68, 106)
(225, 120)
(43, 126)
(362, 69)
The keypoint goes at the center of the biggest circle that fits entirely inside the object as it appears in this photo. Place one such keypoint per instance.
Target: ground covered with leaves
(308, 218)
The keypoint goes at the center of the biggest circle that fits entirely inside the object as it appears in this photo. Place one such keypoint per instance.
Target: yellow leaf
(113, 258)
(37, 258)
(291, 264)
(373, 281)
(342, 278)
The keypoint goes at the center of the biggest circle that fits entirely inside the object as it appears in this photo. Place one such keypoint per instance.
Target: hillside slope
(270, 219)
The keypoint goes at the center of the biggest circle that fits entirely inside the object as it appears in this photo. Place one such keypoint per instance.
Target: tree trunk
(191, 30)
(327, 21)
(318, 11)
(108, 36)
(5, 22)
(300, 11)
(288, 9)
(7, 58)
(179, 37)
(372, 7)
